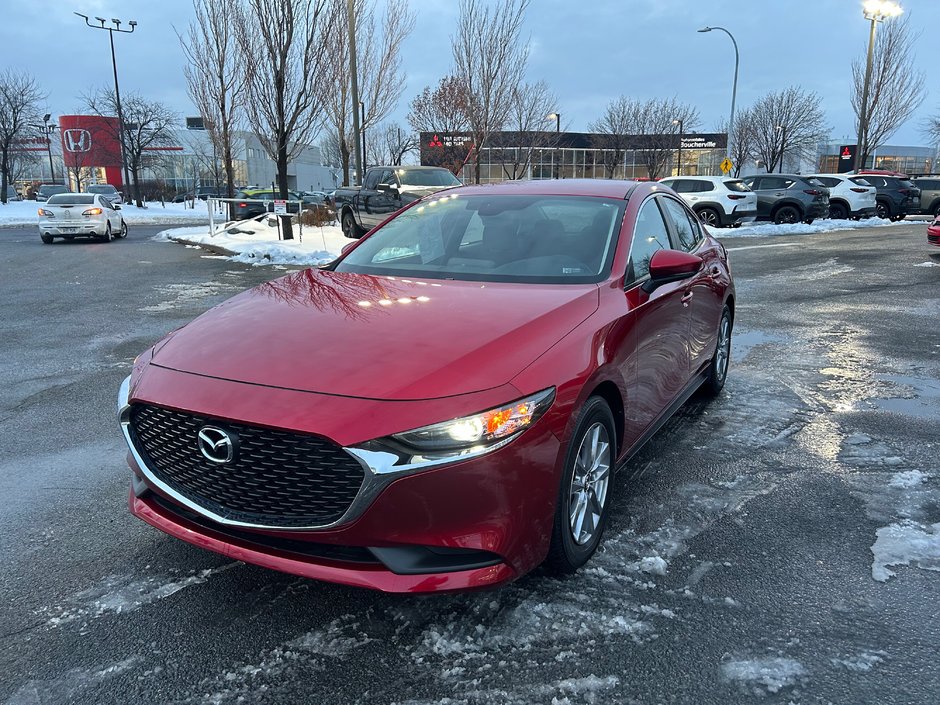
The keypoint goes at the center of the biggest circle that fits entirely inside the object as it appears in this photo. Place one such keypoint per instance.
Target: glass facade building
(909, 160)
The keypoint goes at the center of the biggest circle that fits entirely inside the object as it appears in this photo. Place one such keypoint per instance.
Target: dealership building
(88, 147)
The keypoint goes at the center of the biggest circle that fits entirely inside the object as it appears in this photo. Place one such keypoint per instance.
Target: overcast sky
(588, 51)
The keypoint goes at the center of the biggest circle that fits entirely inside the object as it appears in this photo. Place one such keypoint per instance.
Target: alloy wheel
(723, 350)
(709, 217)
(589, 484)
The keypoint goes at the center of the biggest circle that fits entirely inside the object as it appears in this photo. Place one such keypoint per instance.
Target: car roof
(605, 188)
(713, 179)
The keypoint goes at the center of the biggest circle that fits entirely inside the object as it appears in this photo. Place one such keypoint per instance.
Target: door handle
(686, 298)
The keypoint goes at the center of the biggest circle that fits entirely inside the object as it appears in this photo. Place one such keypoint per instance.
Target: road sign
(726, 165)
(280, 207)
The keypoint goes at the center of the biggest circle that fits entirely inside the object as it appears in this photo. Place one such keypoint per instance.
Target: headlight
(458, 439)
(480, 429)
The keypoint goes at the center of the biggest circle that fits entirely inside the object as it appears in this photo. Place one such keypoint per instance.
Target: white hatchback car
(849, 196)
(719, 201)
(71, 215)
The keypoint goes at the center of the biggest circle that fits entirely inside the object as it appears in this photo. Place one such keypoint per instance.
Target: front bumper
(864, 213)
(933, 235)
(465, 525)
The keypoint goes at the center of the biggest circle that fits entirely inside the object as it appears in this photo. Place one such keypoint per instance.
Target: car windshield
(736, 185)
(427, 177)
(102, 189)
(499, 238)
(72, 199)
(49, 190)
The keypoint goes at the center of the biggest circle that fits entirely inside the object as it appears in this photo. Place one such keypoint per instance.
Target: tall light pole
(734, 86)
(47, 130)
(678, 121)
(354, 80)
(362, 109)
(875, 11)
(117, 91)
(783, 144)
(557, 118)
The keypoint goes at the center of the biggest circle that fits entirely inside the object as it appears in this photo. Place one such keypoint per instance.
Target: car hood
(378, 337)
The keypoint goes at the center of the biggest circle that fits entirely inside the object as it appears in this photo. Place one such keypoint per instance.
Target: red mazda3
(443, 407)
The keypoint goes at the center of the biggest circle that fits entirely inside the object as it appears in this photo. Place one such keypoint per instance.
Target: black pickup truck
(385, 190)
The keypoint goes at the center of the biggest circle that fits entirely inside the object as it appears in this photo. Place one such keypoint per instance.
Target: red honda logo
(435, 142)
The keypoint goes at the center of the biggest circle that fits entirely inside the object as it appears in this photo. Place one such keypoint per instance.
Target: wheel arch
(609, 392)
(788, 202)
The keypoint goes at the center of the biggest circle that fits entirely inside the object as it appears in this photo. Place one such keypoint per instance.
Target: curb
(215, 249)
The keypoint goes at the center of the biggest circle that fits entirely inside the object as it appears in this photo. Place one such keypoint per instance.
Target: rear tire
(710, 217)
(786, 215)
(718, 370)
(350, 228)
(584, 496)
(108, 235)
(882, 210)
(46, 239)
(838, 212)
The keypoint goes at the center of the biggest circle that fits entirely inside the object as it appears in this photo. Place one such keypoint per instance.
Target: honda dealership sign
(76, 140)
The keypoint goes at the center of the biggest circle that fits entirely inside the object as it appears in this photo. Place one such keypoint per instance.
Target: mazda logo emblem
(216, 445)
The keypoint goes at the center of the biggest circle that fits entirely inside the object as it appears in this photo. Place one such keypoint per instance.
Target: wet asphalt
(738, 565)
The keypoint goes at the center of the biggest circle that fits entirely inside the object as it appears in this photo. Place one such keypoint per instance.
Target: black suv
(897, 195)
(789, 198)
(929, 194)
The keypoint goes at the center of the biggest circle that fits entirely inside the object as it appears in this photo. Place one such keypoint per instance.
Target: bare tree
(442, 111)
(741, 139)
(284, 47)
(612, 131)
(19, 106)
(657, 129)
(148, 125)
(532, 103)
(931, 129)
(381, 79)
(389, 143)
(789, 121)
(896, 88)
(490, 62)
(330, 152)
(215, 79)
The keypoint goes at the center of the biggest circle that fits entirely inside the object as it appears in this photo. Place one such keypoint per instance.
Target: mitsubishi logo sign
(76, 140)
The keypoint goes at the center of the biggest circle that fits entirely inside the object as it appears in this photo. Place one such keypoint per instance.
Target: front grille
(277, 478)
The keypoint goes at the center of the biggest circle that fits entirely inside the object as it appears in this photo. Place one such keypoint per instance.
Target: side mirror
(116, 206)
(347, 247)
(670, 266)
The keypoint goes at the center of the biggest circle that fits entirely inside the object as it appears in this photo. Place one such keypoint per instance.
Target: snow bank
(927, 264)
(817, 226)
(256, 241)
(18, 214)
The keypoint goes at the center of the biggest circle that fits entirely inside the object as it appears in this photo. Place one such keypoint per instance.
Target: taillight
(92, 211)
(905, 191)
(812, 192)
(43, 211)
(860, 190)
(736, 196)
(242, 205)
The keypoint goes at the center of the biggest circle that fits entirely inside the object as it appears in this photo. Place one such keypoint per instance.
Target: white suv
(719, 201)
(849, 196)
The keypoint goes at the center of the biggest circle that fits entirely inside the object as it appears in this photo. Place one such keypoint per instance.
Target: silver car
(108, 191)
(71, 215)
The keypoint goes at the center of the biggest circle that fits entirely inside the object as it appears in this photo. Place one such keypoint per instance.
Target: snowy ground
(257, 241)
(23, 213)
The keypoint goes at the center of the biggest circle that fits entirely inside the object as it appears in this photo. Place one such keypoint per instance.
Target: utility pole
(351, 21)
(117, 90)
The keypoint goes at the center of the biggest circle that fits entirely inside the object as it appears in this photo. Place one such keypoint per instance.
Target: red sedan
(933, 232)
(443, 407)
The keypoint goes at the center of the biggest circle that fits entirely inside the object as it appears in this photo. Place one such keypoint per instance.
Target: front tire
(718, 370)
(123, 232)
(786, 215)
(584, 496)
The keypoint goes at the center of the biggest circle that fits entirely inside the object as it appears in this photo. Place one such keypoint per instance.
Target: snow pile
(18, 214)
(865, 661)
(903, 544)
(771, 673)
(817, 226)
(908, 479)
(927, 264)
(257, 241)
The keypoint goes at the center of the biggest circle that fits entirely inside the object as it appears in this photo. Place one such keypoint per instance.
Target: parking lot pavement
(757, 550)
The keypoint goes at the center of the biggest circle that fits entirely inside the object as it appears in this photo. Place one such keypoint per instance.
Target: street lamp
(47, 130)
(557, 118)
(783, 144)
(678, 121)
(734, 86)
(117, 91)
(875, 11)
(362, 109)
(354, 82)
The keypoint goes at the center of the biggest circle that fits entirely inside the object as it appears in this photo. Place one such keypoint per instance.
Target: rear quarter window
(736, 185)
